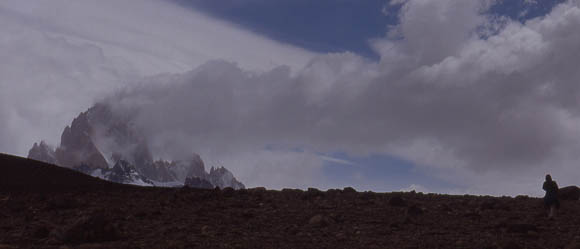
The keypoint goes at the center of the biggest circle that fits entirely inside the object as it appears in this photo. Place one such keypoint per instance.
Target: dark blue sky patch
(321, 25)
(523, 10)
(335, 25)
(379, 172)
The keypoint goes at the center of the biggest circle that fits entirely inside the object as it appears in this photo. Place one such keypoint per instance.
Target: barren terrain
(44, 206)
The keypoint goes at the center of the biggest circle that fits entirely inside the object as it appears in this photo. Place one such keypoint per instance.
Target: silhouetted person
(551, 198)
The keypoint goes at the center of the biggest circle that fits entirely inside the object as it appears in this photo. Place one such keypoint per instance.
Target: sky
(446, 96)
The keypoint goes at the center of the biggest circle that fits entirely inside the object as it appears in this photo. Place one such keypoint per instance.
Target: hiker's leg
(552, 211)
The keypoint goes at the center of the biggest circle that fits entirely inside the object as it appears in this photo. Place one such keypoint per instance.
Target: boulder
(321, 220)
(349, 190)
(571, 193)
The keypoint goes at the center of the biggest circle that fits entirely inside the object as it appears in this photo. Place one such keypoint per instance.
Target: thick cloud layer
(59, 56)
(492, 114)
(477, 101)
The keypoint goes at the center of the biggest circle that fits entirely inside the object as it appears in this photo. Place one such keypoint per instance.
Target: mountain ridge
(102, 143)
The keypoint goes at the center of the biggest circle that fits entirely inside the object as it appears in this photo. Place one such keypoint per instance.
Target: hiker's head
(548, 178)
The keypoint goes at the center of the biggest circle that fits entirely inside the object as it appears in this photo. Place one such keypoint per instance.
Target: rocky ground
(58, 208)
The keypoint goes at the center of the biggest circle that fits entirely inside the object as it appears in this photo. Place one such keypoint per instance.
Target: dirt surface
(72, 210)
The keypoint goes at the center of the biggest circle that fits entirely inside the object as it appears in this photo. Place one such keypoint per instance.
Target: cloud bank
(491, 112)
(485, 103)
(59, 56)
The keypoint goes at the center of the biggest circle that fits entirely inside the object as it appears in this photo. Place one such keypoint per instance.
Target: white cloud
(274, 169)
(503, 108)
(60, 56)
(493, 114)
(337, 160)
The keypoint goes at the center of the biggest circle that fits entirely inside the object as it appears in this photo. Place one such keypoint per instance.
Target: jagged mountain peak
(42, 152)
(109, 145)
(222, 178)
(77, 146)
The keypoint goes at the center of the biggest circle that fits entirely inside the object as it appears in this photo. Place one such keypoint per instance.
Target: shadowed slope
(87, 212)
(21, 173)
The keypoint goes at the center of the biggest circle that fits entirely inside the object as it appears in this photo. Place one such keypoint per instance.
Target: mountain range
(108, 145)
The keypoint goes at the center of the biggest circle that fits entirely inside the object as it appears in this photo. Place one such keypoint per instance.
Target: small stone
(62, 202)
(248, 214)
(511, 245)
(397, 201)
(445, 208)
(291, 191)
(312, 193)
(532, 234)
(314, 190)
(258, 190)
(333, 192)
(41, 232)
(521, 228)
(205, 230)
(522, 197)
(414, 210)
(488, 204)
(228, 192)
(316, 220)
(573, 245)
(320, 220)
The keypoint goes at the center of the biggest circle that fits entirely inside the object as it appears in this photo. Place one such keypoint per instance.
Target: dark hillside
(18, 173)
(88, 213)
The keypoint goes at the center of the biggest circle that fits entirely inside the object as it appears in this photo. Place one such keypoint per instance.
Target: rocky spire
(42, 152)
(77, 146)
(98, 134)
